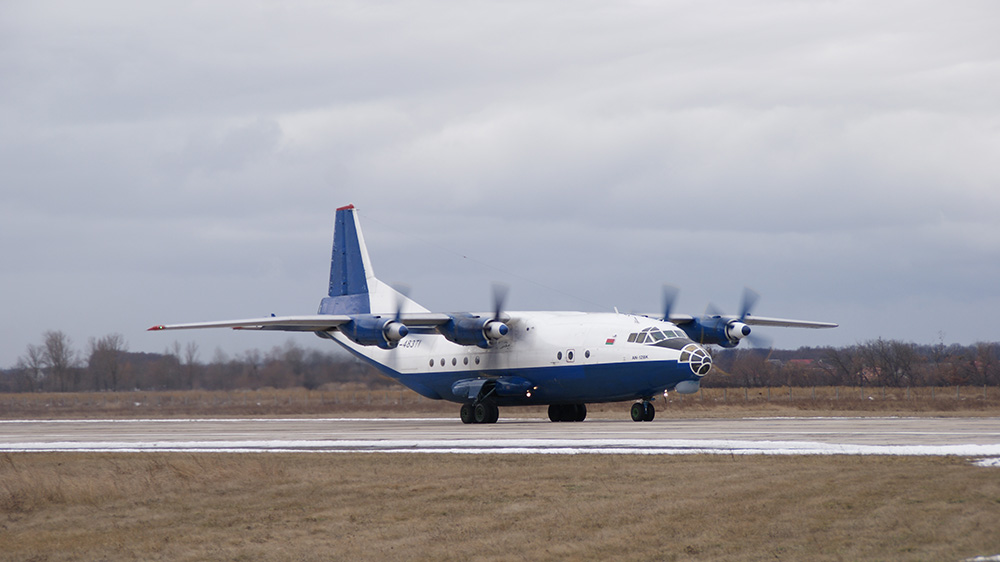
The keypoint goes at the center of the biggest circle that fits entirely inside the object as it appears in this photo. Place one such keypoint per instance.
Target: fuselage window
(587, 354)
(559, 356)
(465, 360)
(432, 363)
(658, 336)
(477, 360)
(454, 361)
(631, 337)
(569, 355)
(442, 361)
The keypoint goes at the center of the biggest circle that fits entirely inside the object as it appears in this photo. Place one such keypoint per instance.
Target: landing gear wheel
(467, 414)
(567, 412)
(485, 412)
(555, 412)
(638, 412)
(643, 411)
(650, 411)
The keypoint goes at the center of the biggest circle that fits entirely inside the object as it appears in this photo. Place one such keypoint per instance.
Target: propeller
(500, 291)
(750, 298)
(496, 328)
(735, 327)
(402, 295)
(669, 297)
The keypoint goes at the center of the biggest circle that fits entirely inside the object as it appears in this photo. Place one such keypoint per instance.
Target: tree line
(877, 362)
(107, 365)
(54, 365)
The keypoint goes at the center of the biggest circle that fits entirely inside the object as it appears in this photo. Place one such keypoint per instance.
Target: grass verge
(356, 400)
(163, 506)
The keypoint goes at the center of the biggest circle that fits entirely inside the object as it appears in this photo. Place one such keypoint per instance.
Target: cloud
(837, 156)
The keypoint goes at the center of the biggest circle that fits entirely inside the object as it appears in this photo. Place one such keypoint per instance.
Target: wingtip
(157, 328)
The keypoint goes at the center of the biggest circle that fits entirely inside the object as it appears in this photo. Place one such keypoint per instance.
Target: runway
(970, 437)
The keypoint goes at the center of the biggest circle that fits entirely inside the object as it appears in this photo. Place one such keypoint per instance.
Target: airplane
(485, 360)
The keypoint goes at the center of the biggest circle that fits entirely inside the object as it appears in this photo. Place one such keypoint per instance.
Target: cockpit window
(653, 335)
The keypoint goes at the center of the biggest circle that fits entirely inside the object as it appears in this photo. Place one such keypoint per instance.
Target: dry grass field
(208, 506)
(161, 506)
(356, 400)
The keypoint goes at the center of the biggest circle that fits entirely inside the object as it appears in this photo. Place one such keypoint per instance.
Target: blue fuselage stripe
(593, 383)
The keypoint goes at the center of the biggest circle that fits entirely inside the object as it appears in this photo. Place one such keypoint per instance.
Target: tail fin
(353, 286)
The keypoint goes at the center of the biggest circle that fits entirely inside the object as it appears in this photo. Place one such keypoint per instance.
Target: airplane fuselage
(567, 357)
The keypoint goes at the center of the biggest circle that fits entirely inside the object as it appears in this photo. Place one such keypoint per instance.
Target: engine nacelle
(737, 330)
(495, 330)
(375, 330)
(473, 330)
(724, 332)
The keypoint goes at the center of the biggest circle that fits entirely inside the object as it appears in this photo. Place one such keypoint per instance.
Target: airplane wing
(309, 323)
(785, 323)
(758, 321)
(313, 323)
(675, 318)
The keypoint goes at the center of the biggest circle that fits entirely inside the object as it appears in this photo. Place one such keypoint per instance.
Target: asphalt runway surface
(971, 437)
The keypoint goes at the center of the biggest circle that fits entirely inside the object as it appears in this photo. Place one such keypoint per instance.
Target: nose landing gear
(643, 411)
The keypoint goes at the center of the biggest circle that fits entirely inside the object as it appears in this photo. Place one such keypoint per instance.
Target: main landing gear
(567, 412)
(643, 411)
(480, 412)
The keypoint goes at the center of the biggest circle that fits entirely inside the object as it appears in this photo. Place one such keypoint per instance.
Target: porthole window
(559, 356)
(442, 361)
(465, 360)
(477, 360)
(569, 355)
(432, 363)
(454, 361)
(587, 354)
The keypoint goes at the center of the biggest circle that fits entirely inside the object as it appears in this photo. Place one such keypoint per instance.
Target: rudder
(350, 268)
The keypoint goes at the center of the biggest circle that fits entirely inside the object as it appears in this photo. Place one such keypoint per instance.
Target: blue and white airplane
(485, 360)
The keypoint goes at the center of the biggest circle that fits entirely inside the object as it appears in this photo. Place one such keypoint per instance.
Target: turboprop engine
(383, 331)
(719, 330)
(474, 330)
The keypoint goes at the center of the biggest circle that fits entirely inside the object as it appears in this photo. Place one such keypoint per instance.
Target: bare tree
(61, 360)
(31, 367)
(190, 363)
(984, 366)
(106, 362)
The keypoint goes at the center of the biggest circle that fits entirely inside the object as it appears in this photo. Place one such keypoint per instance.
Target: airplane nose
(698, 358)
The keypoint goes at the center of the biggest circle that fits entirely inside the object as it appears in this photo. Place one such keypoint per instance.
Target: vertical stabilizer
(353, 286)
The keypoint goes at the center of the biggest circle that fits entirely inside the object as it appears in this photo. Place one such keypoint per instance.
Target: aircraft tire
(555, 415)
(649, 411)
(467, 413)
(485, 412)
(638, 411)
(581, 412)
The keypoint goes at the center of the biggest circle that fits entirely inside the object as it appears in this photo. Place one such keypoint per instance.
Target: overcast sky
(174, 161)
